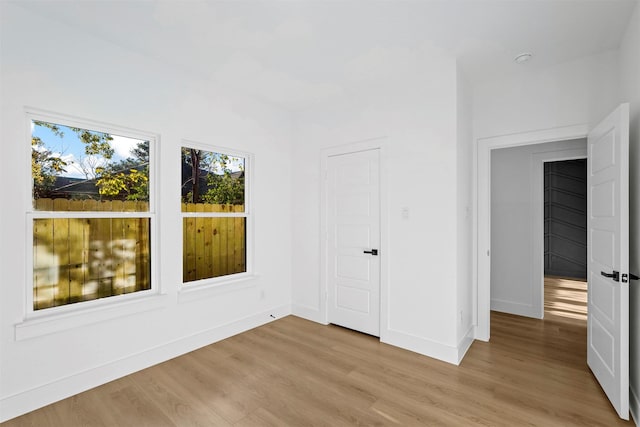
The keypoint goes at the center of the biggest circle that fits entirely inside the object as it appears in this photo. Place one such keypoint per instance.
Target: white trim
(205, 288)
(354, 147)
(517, 308)
(216, 285)
(32, 113)
(248, 172)
(537, 202)
(482, 212)
(94, 311)
(307, 312)
(58, 315)
(465, 343)
(634, 406)
(426, 347)
(37, 397)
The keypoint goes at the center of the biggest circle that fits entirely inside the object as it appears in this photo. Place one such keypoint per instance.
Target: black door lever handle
(615, 275)
(372, 252)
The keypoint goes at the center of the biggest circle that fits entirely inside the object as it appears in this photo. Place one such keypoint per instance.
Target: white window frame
(53, 319)
(230, 281)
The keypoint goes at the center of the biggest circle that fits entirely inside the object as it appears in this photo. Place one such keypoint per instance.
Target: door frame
(482, 213)
(354, 147)
(539, 160)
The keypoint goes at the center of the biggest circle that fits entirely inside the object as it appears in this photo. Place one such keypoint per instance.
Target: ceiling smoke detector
(522, 58)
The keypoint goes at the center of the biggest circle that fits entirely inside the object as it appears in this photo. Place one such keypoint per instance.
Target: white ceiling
(296, 53)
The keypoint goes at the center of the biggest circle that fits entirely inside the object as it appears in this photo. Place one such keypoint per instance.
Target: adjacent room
(320, 212)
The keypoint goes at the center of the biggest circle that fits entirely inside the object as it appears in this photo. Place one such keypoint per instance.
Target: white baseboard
(465, 343)
(516, 308)
(480, 334)
(309, 313)
(634, 406)
(436, 350)
(29, 400)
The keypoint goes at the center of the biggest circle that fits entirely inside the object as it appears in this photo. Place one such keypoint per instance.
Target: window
(90, 217)
(214, 213)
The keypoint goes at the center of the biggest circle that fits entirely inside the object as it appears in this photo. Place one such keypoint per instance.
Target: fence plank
(207, 270)
(61, 251)
(189, 256)
(143, 254)
(199, 244)
(43, 263)
(215, 246)
(224, 230)
(231, 237)
(77, 264)
(239, 254)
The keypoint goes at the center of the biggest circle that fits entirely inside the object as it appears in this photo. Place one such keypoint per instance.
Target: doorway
(608, 244)
(518, 223)
(565, 240)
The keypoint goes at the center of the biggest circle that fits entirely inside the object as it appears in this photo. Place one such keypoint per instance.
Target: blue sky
(71, 150)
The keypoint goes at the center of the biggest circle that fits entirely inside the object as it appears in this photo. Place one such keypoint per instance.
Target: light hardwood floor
(565, 299)
(293, 372)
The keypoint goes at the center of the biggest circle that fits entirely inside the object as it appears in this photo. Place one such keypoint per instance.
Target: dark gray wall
(565, 221)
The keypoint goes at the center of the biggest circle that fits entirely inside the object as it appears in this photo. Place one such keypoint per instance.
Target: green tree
(224, 186)
(129, 178)
(132, 184)
(194, 162)
(97, 150)
(45, 165)
(208, 177)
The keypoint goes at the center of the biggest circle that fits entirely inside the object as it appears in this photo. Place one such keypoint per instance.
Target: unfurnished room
(313, 212)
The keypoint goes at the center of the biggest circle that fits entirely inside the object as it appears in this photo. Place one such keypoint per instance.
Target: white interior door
(353, 225)
(608, 259)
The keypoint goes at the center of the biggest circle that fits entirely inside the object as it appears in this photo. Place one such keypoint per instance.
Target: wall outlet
(405, 212)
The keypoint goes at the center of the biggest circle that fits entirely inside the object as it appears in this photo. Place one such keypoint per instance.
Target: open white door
(608, 257)
(353, 225)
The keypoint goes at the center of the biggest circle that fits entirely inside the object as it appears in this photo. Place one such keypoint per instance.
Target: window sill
(58, 322)
(204, 289)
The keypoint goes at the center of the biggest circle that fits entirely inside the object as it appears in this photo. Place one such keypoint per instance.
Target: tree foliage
(208, 178)
(45, 165)
(127, 179)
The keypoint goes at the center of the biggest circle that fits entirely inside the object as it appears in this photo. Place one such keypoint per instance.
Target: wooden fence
(79, 259)
(212, 246)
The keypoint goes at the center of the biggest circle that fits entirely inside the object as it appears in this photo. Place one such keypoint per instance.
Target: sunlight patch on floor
(565, 298)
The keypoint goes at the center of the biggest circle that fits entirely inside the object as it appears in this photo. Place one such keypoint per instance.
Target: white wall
(54, 67)
(413, 110)
(516, 224)
(630, 92)
(466, 303)
(583, 91)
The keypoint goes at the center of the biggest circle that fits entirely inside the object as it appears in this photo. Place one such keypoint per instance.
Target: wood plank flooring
(293, 372)
(565, 299)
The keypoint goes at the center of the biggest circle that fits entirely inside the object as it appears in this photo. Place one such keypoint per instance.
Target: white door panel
(353, 221)
(608, 259)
